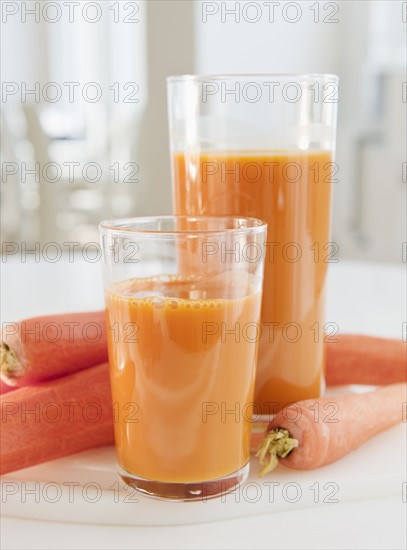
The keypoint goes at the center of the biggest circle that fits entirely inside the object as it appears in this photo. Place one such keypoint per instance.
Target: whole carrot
(313, 433)
(50, 346)
(55, 419)
(358, 359)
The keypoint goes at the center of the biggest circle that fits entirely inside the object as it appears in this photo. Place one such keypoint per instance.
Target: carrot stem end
(277, 443)
(10, 365)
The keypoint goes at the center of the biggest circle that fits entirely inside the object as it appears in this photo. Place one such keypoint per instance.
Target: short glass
(183, 298)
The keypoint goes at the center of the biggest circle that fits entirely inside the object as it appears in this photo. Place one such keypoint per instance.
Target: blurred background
(84, 116)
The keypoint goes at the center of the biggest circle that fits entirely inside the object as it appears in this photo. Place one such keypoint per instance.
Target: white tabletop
(365, 298)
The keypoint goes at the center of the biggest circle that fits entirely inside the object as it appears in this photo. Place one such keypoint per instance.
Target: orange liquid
(291, 191)
(176, 373)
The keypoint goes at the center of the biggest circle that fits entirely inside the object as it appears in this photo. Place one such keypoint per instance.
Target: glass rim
(279, 76)
(117, 226)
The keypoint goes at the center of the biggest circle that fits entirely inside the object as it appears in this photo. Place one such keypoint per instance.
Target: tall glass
(183, 298)
(263, 146)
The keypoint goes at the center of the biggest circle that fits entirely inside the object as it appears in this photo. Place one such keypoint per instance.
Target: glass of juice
(183, 298)
(263, 146)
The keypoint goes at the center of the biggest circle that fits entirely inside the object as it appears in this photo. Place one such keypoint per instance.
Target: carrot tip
(10, 365)
(278, 443)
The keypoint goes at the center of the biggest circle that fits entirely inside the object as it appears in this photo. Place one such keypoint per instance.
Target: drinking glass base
(185, 492)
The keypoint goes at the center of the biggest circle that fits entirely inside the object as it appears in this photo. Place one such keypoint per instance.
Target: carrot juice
(291, 192)
(182, 374)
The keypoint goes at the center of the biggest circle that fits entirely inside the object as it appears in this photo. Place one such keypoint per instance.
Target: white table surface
(364, 298)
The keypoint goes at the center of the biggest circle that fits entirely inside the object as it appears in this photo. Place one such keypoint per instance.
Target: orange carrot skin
(358, 359)
(55, 419)
(55, 345)
(4, 388)
(330, 428)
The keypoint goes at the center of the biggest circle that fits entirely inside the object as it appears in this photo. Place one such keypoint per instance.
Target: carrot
(357, 359)
(50, 346)
(313, 433)
(74, 413)
(54, 345)
(55, 419)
